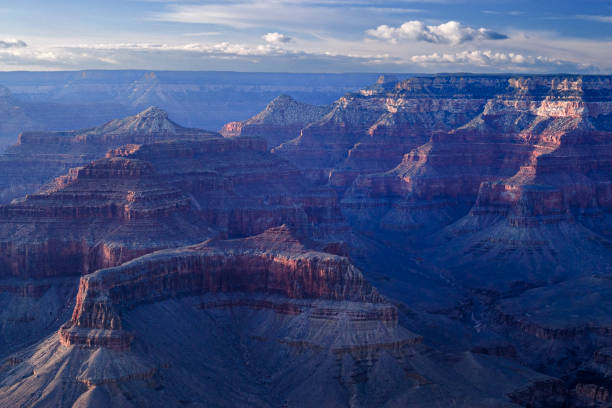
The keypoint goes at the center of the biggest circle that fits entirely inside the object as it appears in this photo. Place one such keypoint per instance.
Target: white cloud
(505, 61)
(219, 48)
(12, 44)
(471, 57)
(276, 38)
(451, 32)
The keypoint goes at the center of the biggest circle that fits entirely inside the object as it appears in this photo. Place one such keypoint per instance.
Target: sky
(399, 36)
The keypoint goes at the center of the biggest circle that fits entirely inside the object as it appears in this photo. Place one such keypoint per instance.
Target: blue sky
(308, 36)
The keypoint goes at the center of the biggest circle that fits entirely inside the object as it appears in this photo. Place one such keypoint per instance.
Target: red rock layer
(275, 262)
(550, 219)
(99, 215)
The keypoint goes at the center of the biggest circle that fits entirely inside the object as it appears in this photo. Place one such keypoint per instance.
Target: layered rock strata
(98, 215)
(274, 262)
(550, 220)
(414, 153)
(568, 311)
(517, 125)
(369, 131)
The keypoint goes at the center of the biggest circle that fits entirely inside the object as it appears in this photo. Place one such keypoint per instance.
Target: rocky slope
(565, 329)
(370, 131)
(283, 324)
(40, 156)
(550, 219)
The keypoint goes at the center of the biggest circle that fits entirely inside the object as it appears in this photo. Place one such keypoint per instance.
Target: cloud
(470, 57)
(451, 32)
(506, 61)
(220, 48)
(306, 16)
(12, 44)
(276, 38)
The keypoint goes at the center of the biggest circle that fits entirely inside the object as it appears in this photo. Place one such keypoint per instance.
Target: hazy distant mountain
(71, 100)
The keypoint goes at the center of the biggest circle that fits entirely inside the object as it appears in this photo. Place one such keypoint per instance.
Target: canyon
(429, 241)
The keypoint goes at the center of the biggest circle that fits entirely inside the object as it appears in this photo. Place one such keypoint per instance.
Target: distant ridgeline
(72, 100)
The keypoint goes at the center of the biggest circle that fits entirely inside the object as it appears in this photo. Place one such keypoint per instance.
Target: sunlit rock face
(498, 185)
(273, 263)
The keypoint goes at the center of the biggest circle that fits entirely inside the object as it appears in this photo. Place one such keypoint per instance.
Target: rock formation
(495, 185)
(370, 131)
(275, 262)
(241, 188)
(512, 167)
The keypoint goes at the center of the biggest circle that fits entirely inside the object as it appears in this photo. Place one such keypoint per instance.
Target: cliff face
(548, 217)
(98, 215)
(479, 204)
(39, 157)
(491, 126)
(369, 131)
